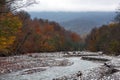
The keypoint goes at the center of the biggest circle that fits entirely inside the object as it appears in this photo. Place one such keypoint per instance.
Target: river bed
(53, 71)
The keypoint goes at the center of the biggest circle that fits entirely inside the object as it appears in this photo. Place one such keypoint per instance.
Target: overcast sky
(74, 5)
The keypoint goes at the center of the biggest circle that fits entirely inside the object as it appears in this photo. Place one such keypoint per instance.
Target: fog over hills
(80, 22)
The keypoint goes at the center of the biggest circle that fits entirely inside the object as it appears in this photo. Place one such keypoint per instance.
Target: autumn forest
(20, 34)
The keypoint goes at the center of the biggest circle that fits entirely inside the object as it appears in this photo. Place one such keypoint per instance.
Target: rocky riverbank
(99, 73)
(110, 70)
(53, 66)
(16, 63)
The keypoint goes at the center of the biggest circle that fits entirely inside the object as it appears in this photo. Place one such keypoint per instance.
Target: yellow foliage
(9, 26)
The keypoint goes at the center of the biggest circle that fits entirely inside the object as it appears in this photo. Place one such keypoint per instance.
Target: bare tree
(12, 5)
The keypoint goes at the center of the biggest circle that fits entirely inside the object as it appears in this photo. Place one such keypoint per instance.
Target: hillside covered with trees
(106, 38)
(43, 36)
(21, 34)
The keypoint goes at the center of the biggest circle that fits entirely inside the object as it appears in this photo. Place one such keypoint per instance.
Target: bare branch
(12, 5)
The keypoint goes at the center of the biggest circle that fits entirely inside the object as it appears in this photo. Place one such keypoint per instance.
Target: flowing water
(55, 71)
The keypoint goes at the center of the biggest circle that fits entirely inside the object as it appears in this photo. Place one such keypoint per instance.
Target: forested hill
(106, 39)
(21, 34)
(80, 22)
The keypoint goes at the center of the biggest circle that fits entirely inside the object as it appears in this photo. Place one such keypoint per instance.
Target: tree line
(106, 38)
(20, 34)
(43, 35)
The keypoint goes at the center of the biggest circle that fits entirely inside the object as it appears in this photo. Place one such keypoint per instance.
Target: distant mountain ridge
(80, 22)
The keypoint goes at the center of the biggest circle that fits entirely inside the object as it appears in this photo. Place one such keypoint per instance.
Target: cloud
(75, 5)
